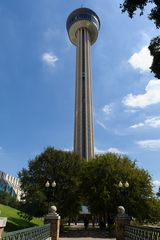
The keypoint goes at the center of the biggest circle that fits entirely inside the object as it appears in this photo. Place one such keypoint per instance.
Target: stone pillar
(54, 219)
(121, 220)
(2, 226)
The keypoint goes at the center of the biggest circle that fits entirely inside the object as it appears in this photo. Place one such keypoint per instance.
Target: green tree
(155, 52)
(153, 205)
(52, 164)
(131, 7)
(99, 186)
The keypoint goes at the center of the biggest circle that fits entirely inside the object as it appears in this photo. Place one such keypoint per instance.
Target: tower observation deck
(83, 26)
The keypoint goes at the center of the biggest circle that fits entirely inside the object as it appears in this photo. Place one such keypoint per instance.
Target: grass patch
(14, 221)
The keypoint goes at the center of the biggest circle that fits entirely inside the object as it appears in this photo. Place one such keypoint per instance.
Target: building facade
(10, 185)
(83, 26)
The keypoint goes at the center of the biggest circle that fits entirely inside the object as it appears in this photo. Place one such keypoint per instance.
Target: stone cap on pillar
(3, 222)
(121, 214)
(52, 213)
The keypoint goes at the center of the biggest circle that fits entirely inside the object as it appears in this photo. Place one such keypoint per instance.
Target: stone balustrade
(36, 233)
(141, 233)
(49, 231)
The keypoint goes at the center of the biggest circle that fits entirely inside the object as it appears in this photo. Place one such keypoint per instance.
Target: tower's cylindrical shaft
(83, 26)
(83, 130)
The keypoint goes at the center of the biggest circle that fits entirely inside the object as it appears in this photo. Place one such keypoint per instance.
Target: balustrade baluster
(141, 233)
(35, 233)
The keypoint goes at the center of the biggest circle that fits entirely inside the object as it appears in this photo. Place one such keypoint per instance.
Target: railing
(141, 233)
(34, 233)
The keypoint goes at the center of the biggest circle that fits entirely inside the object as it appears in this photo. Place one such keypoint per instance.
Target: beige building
(83, 26)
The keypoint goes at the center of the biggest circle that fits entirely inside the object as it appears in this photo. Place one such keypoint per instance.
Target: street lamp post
(50, 186)
(123, 185)
(123, 190)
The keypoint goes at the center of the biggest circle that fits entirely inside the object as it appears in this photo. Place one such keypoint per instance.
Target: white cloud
(150, 144)
(107, 109)
(113, 150)
(99, 151)
(141, 60)
(68, 149)
(49, 58)
(156, 183)
(151, 96)
(101, 124)
(153, 122)
(138, 125)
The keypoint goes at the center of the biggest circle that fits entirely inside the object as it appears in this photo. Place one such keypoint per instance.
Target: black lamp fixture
(123, 191)
(123, 185)
(50, 186)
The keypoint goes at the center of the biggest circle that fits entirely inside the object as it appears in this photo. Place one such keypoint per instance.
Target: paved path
(78, 233)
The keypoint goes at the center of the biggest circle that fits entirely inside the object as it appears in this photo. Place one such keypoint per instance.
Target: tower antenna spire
(82, 5)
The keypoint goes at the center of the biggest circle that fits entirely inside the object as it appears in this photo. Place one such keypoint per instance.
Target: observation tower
(83, 26)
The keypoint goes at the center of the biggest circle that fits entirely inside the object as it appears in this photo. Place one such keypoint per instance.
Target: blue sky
(37, 83)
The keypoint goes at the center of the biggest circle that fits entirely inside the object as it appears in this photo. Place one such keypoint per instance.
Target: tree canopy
(93, 183)
(131, 7)
(99, 185)
(62, 167)
(155, 52)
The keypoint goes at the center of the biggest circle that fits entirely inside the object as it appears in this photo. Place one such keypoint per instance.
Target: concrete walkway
(79, 233)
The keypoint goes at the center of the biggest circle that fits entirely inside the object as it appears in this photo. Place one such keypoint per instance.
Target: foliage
(153, 211)
(158, 193)
(93, 183)
(14, 221)
(7, 199)
(99, 186)
(131, 7)
(155, 13)
(63, 167)
(155, 52)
